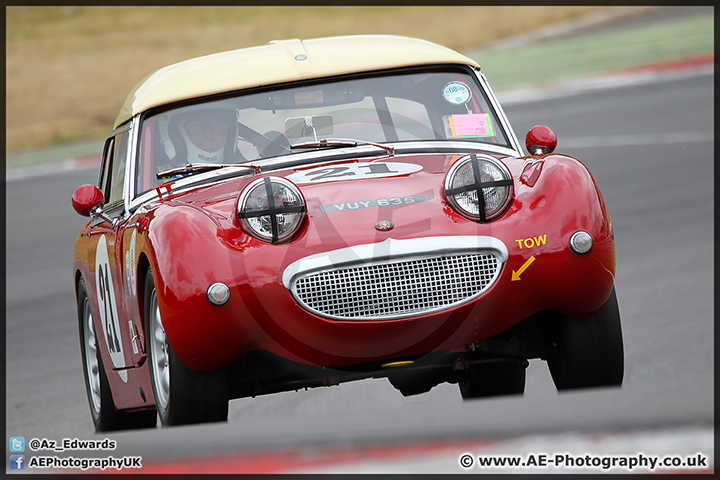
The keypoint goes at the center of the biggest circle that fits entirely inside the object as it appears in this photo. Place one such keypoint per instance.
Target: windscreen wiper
(200, 167)
(339, 143)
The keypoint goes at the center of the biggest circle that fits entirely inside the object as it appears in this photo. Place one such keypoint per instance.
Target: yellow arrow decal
(516, 275)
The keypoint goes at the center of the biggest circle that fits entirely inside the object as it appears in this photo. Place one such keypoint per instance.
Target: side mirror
(540, 140)
(86, 198)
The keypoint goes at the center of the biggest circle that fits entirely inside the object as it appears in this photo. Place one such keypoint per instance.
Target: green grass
(53, 154)
(551, 60)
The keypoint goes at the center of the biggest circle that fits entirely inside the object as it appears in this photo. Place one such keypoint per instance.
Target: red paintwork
(85, 198)
(193, 238)
(541, 137)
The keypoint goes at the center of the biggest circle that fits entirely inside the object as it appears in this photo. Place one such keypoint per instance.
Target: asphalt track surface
(651, 148)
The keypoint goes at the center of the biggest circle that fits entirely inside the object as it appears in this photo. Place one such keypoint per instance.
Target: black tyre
(589, 351)
(105, 416)
(493, 379)
(182, 396)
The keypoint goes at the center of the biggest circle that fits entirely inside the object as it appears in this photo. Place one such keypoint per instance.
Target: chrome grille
(397, 288)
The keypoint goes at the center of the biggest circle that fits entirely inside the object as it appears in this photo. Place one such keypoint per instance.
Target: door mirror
(540, 140)
(86, 198)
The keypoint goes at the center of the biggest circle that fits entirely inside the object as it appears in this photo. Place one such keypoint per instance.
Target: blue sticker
(456, 93)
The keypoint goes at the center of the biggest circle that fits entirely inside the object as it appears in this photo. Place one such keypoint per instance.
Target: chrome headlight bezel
(491, 196)
(263, 218)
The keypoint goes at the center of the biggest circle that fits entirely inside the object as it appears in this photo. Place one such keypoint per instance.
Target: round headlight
(478, 187)
(271, 209)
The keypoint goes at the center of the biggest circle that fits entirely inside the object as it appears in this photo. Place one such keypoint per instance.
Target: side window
(117, 167)
(104, 182)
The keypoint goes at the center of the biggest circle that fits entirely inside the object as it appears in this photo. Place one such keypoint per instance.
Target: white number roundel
(108, 309)
(353, 171)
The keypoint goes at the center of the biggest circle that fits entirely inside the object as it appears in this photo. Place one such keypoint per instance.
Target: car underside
(494, 366)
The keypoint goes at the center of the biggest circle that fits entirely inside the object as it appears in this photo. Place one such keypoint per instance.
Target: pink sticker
(471, 125)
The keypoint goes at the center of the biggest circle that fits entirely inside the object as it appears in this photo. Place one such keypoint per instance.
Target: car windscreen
(405, 105)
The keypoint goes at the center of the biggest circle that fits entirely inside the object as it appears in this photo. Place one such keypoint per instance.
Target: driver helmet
(199, 134)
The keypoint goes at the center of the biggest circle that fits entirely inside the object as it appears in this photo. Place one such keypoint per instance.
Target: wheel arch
(78, 315)
(142, 269)
(78, 276)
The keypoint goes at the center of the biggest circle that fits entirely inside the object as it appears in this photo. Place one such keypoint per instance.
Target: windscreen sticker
(470, 125)
(304, 98)
(456, 93)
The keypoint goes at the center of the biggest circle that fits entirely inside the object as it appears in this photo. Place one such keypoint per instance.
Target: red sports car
(307, 213)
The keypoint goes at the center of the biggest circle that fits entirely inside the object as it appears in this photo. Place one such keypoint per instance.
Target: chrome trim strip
(392, 249)
(500, 112)
(466, 146)
(129, 186)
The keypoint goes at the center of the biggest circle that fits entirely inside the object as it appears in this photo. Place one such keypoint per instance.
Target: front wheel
(589, 351)
(182, 396)
(102, 408)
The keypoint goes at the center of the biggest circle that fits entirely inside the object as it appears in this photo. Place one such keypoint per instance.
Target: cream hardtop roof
(281, 61)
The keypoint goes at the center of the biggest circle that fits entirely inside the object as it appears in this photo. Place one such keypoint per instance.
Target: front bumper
(263, 314)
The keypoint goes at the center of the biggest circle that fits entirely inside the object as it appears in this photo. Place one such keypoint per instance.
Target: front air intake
(397, 287)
